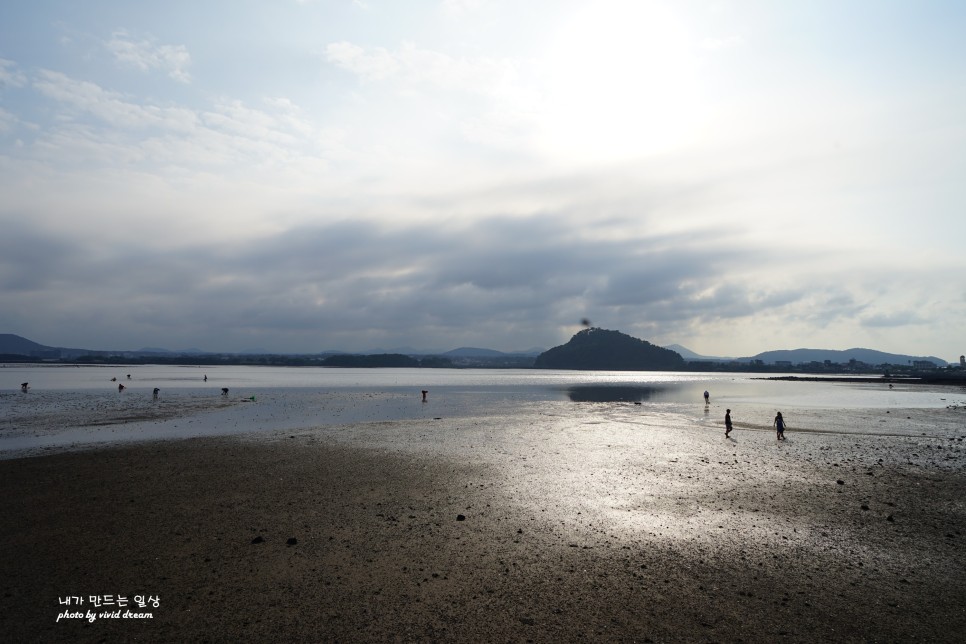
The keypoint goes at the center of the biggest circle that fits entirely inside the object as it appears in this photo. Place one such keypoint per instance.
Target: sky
(301, 176)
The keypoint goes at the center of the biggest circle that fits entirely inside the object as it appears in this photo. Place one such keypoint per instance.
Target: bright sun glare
(620, 84)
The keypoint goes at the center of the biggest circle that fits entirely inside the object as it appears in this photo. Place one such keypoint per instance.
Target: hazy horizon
(438, 350)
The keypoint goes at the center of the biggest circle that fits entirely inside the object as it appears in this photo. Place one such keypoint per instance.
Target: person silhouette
(780, 427)
(707, 397)
(727, 423)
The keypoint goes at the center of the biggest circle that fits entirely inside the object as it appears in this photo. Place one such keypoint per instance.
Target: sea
(81, 405)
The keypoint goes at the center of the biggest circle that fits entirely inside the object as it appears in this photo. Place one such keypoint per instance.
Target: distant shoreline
(908, 380)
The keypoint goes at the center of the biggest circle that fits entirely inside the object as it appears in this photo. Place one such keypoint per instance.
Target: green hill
(603, 350)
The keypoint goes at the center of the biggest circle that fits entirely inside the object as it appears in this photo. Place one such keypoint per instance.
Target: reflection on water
(477, 389)
(621, 393)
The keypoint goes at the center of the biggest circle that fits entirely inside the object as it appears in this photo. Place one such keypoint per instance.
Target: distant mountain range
(11, 344)
(462, 352)
(475, 352)
(15, 345)
(806, 356)
(687, 354)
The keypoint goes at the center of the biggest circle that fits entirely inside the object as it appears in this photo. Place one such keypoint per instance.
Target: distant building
(962, 361)
(923, 364)
(783, 363)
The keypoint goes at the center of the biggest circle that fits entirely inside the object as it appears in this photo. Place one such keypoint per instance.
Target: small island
(605, 350)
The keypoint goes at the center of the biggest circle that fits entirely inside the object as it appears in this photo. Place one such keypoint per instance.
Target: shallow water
(76, 406)
(535, 384)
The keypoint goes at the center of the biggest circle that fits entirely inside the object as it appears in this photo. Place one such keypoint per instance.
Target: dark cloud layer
(508, 283)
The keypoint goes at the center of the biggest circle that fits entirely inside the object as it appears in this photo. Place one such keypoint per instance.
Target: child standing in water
(780, 427)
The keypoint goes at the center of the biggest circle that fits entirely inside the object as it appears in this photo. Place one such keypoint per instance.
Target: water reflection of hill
(618, 393)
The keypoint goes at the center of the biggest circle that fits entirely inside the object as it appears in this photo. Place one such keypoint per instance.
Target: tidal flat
(560, 521)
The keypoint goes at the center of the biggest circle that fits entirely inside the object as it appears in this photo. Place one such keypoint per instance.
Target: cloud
(10, 76)
(132, 166)
(22, 246)
(508, 282)
(372, 65)
(488, 281)
(147, 55)
(895, 319)
(413, 64)
(97, 123)
(110, 107)
(7, 121)
(464, 102)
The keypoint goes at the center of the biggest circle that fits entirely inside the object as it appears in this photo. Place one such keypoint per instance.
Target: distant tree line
(385, 360)
(271, 360)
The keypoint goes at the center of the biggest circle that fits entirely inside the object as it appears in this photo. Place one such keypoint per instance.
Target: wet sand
(562, 523)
